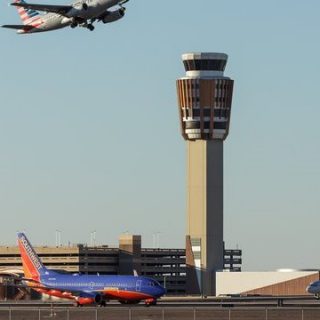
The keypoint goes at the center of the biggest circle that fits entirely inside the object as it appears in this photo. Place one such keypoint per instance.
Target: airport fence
(159, 313)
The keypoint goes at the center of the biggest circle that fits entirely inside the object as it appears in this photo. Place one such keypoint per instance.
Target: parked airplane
(314, 288)
(85, 289)
(80, 13)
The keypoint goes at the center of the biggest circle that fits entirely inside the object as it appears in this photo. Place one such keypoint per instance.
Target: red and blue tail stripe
(28, 16)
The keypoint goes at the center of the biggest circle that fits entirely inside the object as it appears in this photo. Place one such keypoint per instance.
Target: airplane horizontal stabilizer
(17, 26)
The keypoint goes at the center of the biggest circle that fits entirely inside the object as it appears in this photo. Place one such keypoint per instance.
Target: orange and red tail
(32, 265)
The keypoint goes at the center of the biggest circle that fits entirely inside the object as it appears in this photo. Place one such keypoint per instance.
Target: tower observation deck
(205, 97)
(204, 101)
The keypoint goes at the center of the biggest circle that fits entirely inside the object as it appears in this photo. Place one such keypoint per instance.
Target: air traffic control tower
(205, 98)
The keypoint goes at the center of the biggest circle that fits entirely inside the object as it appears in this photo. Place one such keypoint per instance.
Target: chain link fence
(159, 313)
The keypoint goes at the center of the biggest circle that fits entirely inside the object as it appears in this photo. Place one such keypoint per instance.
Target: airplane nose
(311, 289)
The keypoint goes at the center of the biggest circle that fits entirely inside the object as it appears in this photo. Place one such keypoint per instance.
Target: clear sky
(89, 131)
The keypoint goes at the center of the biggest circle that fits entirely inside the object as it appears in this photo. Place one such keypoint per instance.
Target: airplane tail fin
(27, 15)
(32, 265)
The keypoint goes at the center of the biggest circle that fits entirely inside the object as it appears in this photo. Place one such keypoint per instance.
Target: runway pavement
(179, 302)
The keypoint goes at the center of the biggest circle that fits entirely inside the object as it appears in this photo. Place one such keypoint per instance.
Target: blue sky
(89, 130)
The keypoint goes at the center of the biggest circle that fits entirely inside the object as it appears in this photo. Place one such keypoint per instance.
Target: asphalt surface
(250, 301)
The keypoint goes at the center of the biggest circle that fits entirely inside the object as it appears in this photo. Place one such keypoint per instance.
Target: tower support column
(204, 214)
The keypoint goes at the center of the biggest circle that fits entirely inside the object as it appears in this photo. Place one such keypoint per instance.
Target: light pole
(58, 238)
(93, 238)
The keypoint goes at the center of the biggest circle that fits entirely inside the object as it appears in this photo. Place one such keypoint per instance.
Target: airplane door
(138, 285)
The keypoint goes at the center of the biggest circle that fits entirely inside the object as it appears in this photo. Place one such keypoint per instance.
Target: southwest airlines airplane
(80, 13)
(85, 289)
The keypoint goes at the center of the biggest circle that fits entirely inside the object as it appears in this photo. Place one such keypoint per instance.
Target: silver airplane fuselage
(53, 21)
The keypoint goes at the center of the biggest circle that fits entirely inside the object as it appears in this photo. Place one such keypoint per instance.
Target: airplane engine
(90, 299)
(112, 16)
(85, 300)
(78, 10)
(98, 298)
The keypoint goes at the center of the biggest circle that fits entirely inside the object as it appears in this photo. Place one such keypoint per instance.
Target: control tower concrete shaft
(205, 98)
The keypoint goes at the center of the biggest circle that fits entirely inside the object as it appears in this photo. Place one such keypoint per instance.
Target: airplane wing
(28, 280)
(76, 293)
(23, 286)
(17, 26)
(63, 10)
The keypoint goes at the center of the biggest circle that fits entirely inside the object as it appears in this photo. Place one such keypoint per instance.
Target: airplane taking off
(80, 13)
(85, 289)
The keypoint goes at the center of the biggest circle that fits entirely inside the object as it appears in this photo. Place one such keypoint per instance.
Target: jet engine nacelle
(78, 10)
(85, 301)
(112, 16)
(98, 298)
(90, 299)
